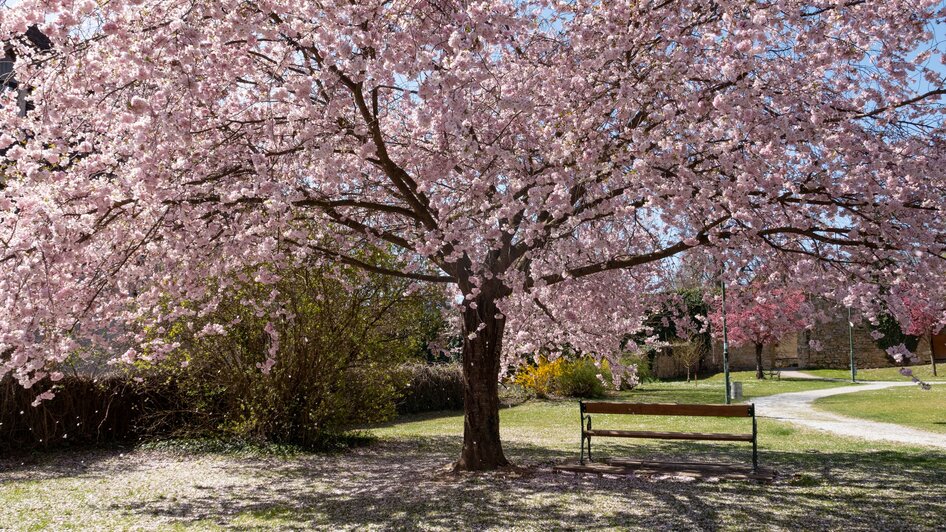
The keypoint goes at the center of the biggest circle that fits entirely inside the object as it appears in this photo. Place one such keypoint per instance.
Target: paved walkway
(795, 374)
(797, 408)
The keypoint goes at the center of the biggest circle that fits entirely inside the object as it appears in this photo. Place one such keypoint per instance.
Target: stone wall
(743, 357)
(834, 340)
(795, 350)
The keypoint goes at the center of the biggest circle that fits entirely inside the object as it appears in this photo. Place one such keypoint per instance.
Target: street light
(850, 341)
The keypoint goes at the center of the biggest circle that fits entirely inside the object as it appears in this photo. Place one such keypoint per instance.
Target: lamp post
(850, 342)
(725, 343)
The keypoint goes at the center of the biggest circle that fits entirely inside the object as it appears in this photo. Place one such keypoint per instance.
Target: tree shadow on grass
(39, 465)
(405, 484)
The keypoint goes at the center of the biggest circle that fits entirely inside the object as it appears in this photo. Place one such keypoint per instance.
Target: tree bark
(482, 449)
(758, 362)
(932, 355)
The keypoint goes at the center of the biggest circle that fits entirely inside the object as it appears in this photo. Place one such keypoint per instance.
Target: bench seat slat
(659, 409)
(670, 435)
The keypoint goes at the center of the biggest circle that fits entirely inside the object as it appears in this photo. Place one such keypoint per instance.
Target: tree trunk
(482, 449)
(758, 362)
(932, 355)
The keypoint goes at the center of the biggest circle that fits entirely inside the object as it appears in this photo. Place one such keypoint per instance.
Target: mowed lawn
(922, 371)
(402, 481)
(907, 405)
(554, 424)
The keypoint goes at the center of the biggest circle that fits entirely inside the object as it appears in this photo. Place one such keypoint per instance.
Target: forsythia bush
(540, 378)
(572, 378)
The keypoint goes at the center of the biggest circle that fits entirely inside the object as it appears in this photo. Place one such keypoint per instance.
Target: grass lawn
(752, 387)
(907, 405)
(923, 372)
(401, 481)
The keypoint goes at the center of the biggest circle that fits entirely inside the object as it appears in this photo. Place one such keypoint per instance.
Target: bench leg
(755, 457)
(581, 456)
(585, 436)
(755, 447)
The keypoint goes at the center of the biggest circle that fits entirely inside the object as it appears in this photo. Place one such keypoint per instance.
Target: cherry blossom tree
(920, 316)
(760, 316)
(548, 159)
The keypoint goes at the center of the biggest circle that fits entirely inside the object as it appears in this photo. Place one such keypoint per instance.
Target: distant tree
(924, 318)
(689, 354)
(759, 317)
(679, 318)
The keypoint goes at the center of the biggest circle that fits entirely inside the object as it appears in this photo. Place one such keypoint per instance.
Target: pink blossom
(901, 354)
(762, 314)
(45, 396)
(266, 366)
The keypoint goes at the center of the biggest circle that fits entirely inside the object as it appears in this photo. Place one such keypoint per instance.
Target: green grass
(752, 387)
(908, 405)
(818, 469)
(554, 424)
(401, 481)
(923, 372)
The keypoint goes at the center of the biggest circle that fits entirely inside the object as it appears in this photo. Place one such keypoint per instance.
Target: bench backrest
(659, 409)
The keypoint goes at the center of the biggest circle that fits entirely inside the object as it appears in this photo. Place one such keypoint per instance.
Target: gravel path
(797, 408)
(794, 374)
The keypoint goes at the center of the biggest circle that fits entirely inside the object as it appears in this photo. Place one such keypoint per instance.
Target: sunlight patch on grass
(538, 428)
(906, 405)
(923, 372)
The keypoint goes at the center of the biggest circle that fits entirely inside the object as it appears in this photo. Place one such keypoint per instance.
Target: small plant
(581, 378)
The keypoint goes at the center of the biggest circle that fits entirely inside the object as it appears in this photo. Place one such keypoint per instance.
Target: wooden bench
(776, 365)
(651, 409)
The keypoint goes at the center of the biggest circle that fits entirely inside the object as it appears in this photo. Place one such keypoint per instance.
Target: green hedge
(431, 388)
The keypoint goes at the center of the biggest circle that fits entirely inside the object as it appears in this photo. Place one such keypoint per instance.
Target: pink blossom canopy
(553, 156)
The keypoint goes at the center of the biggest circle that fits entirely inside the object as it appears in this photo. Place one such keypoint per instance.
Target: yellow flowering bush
(573, 378)
(540, 378)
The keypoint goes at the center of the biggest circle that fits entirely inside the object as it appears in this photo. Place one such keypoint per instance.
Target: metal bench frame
(658, 409)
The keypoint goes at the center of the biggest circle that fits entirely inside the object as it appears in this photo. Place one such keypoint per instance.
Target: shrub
(335, 361)
(540, 378)
(431, 388)
(892, 335)
(581, 378)
(571, 378)
(85, 411)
